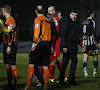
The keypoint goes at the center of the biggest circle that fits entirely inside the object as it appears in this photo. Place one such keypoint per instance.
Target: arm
(65, 30)
(4, 30)
(54, 32)
(36, 34)
(95, 35)
(83, 46)
(10, 35)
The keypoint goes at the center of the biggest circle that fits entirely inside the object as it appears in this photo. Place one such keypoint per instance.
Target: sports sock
(51, 69)
(9, 75)
(95, 66)
(40, 68)
(52, 74)
(15, 76)
(30, 76)
(85, 67)
(46, 77)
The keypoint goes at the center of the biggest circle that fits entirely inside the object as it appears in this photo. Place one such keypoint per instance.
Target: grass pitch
(82, 83)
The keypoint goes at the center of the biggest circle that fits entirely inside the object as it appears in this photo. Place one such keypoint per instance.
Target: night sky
(28, 6)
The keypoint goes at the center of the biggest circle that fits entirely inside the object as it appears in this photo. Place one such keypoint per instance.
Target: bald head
(51, 10)
(39, 9)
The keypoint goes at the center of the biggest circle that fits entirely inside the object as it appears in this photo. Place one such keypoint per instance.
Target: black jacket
(70, 38)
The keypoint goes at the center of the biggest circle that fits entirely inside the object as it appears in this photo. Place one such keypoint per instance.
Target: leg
(65, 62)
(29, 75)
(95, 65)
(59, 67)
(9, 75)
(52, 69)
(85, 59)
(52, 74)
(72, 68)
(46, 76)
(14, 74)
(38, 74)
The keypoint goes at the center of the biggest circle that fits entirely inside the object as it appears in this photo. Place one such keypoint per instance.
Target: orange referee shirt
(46, 29)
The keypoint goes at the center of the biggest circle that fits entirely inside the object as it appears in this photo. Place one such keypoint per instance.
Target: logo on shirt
(36, 26)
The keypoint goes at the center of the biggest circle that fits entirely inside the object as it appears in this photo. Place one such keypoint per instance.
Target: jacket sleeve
(65, 30)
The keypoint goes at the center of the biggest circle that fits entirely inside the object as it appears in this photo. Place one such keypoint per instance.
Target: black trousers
(65, 61)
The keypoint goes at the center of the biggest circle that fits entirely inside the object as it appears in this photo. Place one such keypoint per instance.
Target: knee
(45, 67)
(53, 62)
(12, 67)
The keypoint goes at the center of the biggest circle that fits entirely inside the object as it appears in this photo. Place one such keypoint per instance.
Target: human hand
(33, 47)
(12, 25)
(83, 47)
(8, 51)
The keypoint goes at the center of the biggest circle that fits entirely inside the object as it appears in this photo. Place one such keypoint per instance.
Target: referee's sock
(15, 76)
(30, 76)
(46, 77)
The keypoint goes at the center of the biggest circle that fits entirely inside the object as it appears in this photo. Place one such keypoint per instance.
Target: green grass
(22, 65)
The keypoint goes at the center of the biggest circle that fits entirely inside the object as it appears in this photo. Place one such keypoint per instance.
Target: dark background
(24, 12)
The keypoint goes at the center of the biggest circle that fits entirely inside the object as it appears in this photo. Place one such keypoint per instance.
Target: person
(59, 15)
(10, 47)
(56, 46)
(2, 26)
(70, 46)
(89, 39)
(40, 50)
(54, 36)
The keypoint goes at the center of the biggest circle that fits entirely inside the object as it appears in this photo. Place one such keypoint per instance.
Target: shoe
(57, 81)
(86, 76)
(96, 75)
(27, 88)
(39, 85)
(52, 80)
(65, 80)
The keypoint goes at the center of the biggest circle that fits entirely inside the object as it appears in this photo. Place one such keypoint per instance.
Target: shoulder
(10, 20)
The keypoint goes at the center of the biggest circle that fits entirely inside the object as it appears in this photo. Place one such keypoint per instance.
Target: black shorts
(40, 56)
(10, 58)
(91, 50)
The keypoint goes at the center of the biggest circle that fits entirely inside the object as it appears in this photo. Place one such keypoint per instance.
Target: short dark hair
(74, 11)
(39, 10)
(89, 12)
